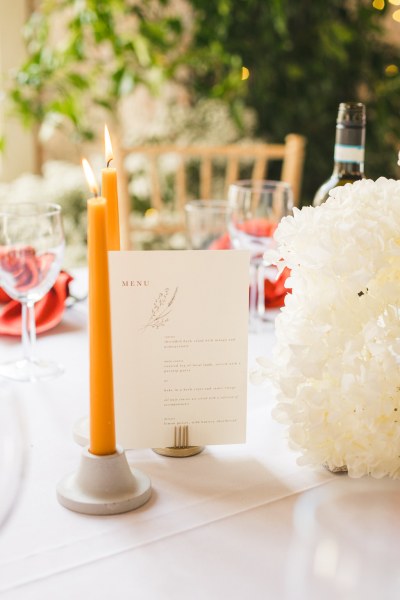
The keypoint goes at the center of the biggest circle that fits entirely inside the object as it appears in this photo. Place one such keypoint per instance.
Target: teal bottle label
(349, 154)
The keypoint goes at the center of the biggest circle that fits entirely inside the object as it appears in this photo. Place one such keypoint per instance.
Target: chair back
(227, 161)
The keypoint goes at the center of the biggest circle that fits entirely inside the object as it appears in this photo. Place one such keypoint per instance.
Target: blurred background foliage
(91, 53)
(303, 59)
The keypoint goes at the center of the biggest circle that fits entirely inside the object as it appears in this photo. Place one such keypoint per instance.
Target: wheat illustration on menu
(162, 308)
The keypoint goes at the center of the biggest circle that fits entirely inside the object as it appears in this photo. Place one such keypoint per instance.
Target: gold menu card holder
(181, 448)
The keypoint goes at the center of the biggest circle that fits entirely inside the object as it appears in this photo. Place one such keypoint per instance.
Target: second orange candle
(109, 191)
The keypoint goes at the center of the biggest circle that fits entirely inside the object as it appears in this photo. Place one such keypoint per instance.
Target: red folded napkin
(221, 243)
(48, 311)
(276, 291)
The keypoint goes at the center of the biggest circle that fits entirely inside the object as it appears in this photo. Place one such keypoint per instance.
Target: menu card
(179, 335)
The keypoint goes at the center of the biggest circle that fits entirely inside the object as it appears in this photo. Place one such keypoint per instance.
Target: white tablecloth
(218, 524)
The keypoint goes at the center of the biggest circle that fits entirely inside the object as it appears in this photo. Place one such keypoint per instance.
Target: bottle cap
(351, 114)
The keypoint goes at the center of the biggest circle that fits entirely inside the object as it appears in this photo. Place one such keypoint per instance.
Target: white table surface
(218, 524)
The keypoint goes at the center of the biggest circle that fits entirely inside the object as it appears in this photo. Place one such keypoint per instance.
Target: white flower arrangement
(336, 361)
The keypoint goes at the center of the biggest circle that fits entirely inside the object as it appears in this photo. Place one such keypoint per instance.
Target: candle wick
(108, 162)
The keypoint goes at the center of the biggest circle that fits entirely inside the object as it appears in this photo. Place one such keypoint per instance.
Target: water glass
(206, 224)
(255, 208)
(12, 450)
(31, 253)
(346, 542)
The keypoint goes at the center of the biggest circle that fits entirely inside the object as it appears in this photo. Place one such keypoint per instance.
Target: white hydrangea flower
(336, 361)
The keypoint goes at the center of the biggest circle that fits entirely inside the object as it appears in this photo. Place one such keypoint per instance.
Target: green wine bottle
(349, 149)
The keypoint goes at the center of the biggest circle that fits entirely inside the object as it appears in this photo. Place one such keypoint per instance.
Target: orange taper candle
(102, 423)
(109, 191)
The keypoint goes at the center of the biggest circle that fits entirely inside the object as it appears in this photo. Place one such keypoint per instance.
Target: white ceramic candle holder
(104, 485)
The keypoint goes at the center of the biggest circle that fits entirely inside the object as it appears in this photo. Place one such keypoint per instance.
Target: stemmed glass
(12, 450)
(254, 211)
(31, 252)
(205, 223)
(345, 542)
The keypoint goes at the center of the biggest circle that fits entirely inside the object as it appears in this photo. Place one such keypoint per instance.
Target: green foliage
(304, 59)
(105, 50)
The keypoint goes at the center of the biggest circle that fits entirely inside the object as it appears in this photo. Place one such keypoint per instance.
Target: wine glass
(12, 450)
(205, 223)
(346, 542)
(31, 252)
(254, 211)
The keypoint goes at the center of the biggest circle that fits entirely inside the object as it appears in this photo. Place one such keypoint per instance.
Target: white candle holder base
(104, 485)
(81, 431)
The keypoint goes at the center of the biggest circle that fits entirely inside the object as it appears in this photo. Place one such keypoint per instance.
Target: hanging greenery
(88, 53)
(303, 58)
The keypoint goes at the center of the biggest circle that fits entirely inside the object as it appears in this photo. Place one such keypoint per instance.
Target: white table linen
(218, 524)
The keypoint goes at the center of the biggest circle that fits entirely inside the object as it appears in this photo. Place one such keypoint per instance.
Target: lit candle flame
(90, 178)
(108, 147)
